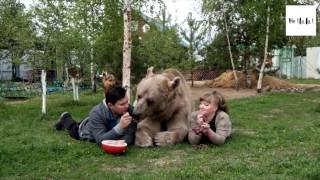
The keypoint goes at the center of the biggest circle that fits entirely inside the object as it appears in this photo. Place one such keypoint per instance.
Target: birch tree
(230, 53)
(194, 35)
(218, 12)
(89, 16)
(246, 21)
(75, 81)
(127, 43)
(259, 84)
(127, 37)
(44, 91)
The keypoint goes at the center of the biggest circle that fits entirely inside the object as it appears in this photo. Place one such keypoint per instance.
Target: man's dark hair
(114, 94)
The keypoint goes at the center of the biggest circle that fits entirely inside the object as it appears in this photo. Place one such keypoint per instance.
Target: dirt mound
(227, 80)
(273, 83)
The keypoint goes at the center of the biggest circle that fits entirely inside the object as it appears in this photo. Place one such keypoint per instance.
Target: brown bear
(164, 107)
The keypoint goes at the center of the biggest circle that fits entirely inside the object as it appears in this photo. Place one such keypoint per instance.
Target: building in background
(301, 67)
(14, 71)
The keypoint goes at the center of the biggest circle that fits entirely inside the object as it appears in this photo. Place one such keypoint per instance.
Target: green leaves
(16, 28)
(161, 49)
(247, 25)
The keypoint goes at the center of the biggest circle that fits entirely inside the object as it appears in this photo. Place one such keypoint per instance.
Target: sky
(179, 9)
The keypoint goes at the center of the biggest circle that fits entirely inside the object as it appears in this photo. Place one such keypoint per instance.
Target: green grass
(304, 81)
(276, 137)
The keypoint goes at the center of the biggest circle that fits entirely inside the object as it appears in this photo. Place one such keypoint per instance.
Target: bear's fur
(164, 107)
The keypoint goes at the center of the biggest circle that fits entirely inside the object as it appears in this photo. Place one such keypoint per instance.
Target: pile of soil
(227, 80)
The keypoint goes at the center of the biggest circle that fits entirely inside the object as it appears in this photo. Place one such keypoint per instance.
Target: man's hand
(125, 120)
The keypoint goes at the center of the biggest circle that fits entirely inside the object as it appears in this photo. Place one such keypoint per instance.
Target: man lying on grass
(109, 120)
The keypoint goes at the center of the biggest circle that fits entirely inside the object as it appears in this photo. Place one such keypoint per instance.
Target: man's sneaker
(59, 124)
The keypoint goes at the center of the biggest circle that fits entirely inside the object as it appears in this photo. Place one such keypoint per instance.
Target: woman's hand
(197, 130)
(200, 119)
(205, 128)
(202, 126)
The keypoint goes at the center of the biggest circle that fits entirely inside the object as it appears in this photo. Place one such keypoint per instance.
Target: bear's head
(155, 94)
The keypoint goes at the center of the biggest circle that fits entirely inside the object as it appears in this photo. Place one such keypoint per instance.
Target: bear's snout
(135, 116)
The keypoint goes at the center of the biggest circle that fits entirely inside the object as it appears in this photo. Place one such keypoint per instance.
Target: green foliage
(63, 39)
(273, 137)
(194, 35)
(160, 49)
(75, 33)
(247, 28)
(157, 47)
(17, 31)
(217, 57)
(108, 44)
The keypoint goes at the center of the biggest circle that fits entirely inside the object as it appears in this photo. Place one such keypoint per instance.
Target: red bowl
(114, 146)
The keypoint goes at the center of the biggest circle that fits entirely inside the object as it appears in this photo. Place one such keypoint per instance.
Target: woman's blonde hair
(216, 98)
(108, 76)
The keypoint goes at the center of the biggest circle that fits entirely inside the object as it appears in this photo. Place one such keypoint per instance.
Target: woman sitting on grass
(211, 123)
(108, 81)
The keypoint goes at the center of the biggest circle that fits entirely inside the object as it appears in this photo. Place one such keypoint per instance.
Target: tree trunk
(247, 71)
(93, 82)
(127, 47)
(230, 53)
(75, 88)
(91, 39)
(248, 78)
(77, 83)
(192, 77)
(259, 84)
(44, 90)
(92, 70)
(66, 82)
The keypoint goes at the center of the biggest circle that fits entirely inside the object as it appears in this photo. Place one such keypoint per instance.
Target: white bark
(127, 43)
(44, 90)
(93, 84)
(230, 53)
(75, 88)
(66, 82)
(91, 38)
(259, 84)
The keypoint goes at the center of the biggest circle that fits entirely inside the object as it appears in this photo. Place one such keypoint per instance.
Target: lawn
(276, 137)
(304, 81)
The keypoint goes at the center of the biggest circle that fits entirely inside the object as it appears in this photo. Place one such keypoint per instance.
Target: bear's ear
(149, 72)
(174, 83)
